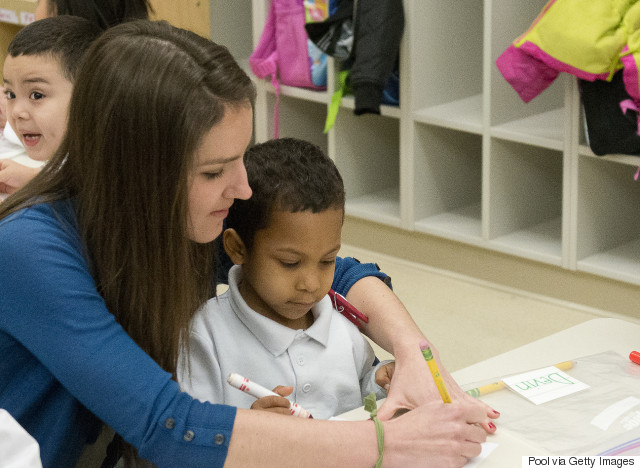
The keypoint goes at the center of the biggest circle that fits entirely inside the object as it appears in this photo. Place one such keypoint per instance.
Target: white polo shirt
(329, 365)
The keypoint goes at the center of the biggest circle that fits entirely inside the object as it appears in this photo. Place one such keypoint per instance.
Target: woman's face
(45, 9)
(219, 175)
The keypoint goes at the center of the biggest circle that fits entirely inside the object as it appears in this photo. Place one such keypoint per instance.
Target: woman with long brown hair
(106, 255)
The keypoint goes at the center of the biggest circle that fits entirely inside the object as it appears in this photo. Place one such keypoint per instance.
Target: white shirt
(329, 364)
(11, 148)
(17, 448)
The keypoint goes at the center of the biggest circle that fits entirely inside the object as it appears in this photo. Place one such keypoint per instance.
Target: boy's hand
(275, 404)
(14, 175)
(384, 375)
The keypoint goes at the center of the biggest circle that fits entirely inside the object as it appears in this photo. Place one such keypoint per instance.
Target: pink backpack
(282, 51)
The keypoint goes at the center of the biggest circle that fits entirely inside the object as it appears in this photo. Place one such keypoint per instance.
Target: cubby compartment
(299, 118)
(464, 158)
(525, 200)
(608, 239)
(368, 157)
(446, 54)
(541, 121)
(447, 183)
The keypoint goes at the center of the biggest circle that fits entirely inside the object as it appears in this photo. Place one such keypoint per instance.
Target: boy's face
(291, 265)
(38, 96)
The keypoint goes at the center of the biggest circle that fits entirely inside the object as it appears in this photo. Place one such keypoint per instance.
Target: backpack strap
(263, 61)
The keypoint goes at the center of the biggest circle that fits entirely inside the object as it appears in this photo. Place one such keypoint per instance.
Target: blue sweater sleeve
(349, 270)
(53, 320)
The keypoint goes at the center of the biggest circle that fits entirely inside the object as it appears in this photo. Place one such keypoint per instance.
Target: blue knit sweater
(66, 365)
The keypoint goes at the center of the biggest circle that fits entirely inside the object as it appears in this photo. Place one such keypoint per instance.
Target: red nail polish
(496, 412)
(492, 426)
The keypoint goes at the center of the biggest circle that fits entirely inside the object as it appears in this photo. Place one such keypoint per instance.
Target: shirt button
(306, 387)
(169, 423)
(218, 439)
(188, 436)
(301, 360)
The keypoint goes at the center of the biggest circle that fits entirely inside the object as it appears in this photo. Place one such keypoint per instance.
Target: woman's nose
(239, 185)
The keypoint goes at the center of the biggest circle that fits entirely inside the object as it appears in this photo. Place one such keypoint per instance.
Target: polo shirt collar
(277, 338)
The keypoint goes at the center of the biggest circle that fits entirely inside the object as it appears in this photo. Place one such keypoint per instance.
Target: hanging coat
(591, 39)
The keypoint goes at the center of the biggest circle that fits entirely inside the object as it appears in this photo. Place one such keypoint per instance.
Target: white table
(591, 337)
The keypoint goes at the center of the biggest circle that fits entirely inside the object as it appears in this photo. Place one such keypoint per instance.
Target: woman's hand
(275, 404)
(439, 435)
(412, 385)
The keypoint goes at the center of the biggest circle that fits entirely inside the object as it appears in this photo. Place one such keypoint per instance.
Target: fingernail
(492, 426)
(496, 412)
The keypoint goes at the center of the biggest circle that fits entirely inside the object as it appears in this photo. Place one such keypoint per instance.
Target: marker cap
(635, 357)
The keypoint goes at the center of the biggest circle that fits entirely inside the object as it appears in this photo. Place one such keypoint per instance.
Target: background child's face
(38, 96)
(291, 265)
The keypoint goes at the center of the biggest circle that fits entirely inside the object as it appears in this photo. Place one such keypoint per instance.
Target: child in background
(276, 325)
(39, 72)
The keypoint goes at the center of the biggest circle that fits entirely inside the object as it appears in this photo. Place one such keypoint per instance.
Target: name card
(8, 16)
(544, 385)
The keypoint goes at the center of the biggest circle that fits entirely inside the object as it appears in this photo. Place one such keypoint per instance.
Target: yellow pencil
(435, 372)
(495, 386)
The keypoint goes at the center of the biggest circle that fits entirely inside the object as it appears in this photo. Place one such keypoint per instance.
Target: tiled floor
(469, 321)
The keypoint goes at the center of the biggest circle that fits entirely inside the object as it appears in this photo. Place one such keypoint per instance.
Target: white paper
(544, 385)
(487, 448)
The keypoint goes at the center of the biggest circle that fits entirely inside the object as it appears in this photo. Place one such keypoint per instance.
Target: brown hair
(103, 13)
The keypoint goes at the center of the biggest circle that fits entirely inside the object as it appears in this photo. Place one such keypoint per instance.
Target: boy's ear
(234, 246)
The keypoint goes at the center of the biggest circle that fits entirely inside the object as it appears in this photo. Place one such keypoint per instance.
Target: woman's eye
(212, 175)
(289, 264)
(10, 94)
(36, 95)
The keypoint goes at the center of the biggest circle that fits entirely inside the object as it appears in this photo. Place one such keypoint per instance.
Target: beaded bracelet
(371, 406)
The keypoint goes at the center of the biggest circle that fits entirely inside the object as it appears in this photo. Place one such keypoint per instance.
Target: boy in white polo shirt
(276, 325)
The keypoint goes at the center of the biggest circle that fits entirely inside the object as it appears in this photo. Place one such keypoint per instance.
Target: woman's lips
(222, 213)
